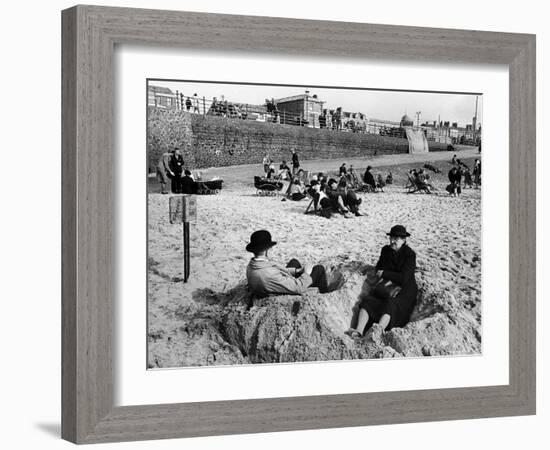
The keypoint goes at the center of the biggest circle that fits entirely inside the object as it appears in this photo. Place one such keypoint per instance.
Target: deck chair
(312, 207)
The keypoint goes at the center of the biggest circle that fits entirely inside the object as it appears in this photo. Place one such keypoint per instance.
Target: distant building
(302, 109)
(161, 97)
(447, 133)
(355, 122)
(406, 121)
(382, 127)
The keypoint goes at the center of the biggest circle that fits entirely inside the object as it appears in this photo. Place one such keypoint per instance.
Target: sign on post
(183, 209)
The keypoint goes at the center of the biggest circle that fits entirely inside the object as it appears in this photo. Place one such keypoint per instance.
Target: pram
(266, 186)
(208, 187)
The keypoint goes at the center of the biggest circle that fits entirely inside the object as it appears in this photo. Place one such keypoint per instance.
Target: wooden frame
(89, 36)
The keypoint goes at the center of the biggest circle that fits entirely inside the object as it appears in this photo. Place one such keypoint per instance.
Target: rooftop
(293, 98)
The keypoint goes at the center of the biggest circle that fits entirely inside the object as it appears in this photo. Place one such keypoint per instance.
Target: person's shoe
(347, 215)
(335, 280)
(376, 333)
(358, 214)
(353, 333)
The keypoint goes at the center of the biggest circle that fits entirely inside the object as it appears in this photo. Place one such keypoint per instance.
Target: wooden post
(183, 209)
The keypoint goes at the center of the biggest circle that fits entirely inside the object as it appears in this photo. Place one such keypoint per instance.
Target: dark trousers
(318, 274)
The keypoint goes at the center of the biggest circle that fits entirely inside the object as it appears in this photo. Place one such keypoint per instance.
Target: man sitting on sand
(392, 297)
(266, 277)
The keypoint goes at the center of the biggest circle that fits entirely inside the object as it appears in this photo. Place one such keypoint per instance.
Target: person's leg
(384, 321)
(362, 320)
(319, 278)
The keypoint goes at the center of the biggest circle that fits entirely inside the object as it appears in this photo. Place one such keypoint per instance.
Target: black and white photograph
(292, 224)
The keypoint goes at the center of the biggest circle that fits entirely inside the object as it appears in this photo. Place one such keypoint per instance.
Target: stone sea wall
(208, 141)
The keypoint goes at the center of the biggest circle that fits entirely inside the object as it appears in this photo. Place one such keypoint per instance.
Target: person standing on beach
(164, 171)
(266, 161)
(176, 167)
(455, 177)
(393, 294)
(295, 162)
(343, 170)
(477, 173)
(265, 277)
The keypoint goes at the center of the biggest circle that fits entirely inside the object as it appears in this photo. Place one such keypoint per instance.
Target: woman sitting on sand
(392, 296)
(296, 191)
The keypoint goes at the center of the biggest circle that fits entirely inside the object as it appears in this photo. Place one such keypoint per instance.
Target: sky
(375, 104)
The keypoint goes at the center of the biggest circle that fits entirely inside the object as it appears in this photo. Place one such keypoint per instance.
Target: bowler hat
(398, 231)
(260, 240)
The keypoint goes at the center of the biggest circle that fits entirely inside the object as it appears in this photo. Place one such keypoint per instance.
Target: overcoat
(397, 266)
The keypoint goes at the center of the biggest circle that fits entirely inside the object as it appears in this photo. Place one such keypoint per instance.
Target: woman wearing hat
(266, 277)
(393, 297)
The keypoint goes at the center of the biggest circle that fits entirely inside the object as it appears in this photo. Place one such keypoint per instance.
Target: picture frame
(89, 37)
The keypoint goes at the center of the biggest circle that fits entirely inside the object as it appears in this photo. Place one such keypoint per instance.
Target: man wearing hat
(392, 297)
(266, 277)
(164, 169)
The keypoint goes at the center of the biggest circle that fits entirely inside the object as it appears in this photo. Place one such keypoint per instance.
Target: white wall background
(30, 236)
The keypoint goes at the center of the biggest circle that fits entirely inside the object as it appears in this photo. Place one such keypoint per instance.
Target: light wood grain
(89, 202)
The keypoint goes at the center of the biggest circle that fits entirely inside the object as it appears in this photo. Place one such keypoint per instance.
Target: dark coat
(368, 178)
(188, 185)
(455, 176)
(397, 266)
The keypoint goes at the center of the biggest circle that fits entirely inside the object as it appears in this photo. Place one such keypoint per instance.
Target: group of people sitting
(332, 196)
(419, 180)
(389, 301)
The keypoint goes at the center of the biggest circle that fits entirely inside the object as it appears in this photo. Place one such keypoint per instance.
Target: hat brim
(398, 235)
(258, 248)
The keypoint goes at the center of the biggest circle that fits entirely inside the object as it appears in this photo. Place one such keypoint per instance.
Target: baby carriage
(209, 187)
(266, 186)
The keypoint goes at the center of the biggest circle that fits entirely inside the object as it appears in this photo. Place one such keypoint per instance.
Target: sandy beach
(445, 236)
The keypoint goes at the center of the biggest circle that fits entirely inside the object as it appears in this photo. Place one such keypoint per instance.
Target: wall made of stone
(208, 141)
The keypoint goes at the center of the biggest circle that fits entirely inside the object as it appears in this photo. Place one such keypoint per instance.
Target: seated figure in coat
(393, 298)
(266, 277)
